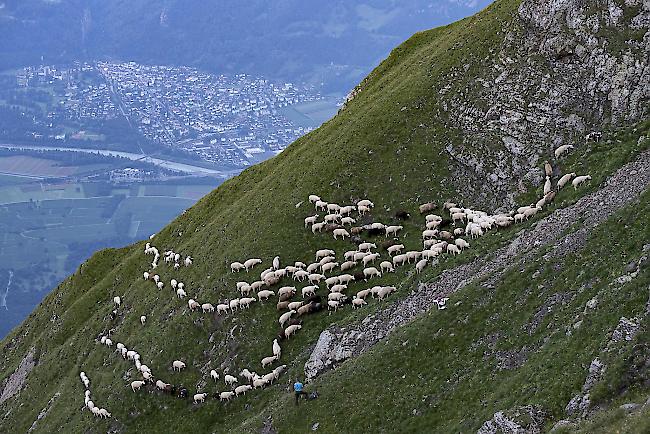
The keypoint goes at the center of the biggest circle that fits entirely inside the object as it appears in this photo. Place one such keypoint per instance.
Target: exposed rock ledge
(14, 383)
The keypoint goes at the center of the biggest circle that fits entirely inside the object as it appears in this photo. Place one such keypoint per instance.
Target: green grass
(371, 149)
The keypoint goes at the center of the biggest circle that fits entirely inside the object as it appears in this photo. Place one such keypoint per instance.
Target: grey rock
(563, 423)
(630, 407)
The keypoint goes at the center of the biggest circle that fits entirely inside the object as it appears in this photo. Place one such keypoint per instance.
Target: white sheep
(285, 317)
(348, 221)
(313, 198)
(145, 275)
(239, 390)
(268, 360)
(250, 263)
(338, 288)
(419, 266)
(291, 330)
(371, 272)
(136, 385)
(180, 293)
(358, 256)
(366, 247)
(265, 294)
(386, 266)
(461, 243)
(117, 301)
(358, 302)
(188, 261)
(316, 278)
(392, 230)
(143, 319)
(332, 207)
(321, 205)
(230, 379)
(277, 351)
(385, 291)
(178, 365)
(337, 296)
(370, 258)
(309, 291)
(547, 185)
(160, 285)
(233, 304)
(294, 305)
(246, 302)
(562, 149)
(207, 307)
(579, 180)
(332, 304)
(347, 265)
(104, 414)
(395, 249)
(399, 259)
(453, 248)
(564, 179)
(340, 233)
(326, 268)
(236, 267)
(429, 233)
(322, 253)
(200, 397)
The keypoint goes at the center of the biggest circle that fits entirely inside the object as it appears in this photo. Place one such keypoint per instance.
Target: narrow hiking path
(337, 344)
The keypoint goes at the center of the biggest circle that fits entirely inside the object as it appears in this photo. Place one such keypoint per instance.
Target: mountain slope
(389, 144)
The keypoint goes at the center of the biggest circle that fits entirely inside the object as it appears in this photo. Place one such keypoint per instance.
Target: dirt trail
(336, 344)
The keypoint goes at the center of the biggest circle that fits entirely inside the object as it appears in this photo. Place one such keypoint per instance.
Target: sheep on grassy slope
(392, 230)
(562, 149)
(547, 185)
(564, 179)
(580, 180)
(230, 379)
(177, 365)
(285, 317)
(136, 385)
(340, 233)
(199, 397)
(395, 249)
(292, 329)
(268, 360)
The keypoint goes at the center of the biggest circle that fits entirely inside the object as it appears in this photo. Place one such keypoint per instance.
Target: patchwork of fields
(47, 230)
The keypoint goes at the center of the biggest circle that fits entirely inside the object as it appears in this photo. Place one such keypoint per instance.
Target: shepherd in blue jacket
(297, 388)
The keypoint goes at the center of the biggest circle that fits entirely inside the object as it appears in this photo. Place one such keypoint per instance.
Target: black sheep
(402, 215)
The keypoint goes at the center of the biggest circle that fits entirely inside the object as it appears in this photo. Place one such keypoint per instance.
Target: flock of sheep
(324, 281)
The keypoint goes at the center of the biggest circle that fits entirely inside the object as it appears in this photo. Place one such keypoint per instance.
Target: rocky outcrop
(566, 68)
(337, 344)
(15, 382)
(527, 419)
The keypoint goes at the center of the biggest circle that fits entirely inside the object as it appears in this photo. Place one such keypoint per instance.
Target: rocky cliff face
(566, 68)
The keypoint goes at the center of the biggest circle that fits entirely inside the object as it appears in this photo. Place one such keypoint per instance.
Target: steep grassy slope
(372, 149)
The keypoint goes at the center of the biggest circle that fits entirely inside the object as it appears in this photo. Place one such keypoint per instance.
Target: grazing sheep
(233, 304)
(369, 258)
(325, 268)
(321, 205)
(392, 230)
(338, 288)
(337, 296)
(236, 267)
(117, 301)
(348, 221)
(178, 365)
(385, 291)
(291, 330)
(160, 285)
(294, 305)
(547, 185)
(399, 259)
(326, 260)
(104, 414)
(331, 218)
(285, 317)
(309, 291)
(143, 319)
(180, 293)
(265, 294)
(223, 308)
(226, 396)
(277, 351)
(548, 198)
(530, 212)
(562, 149)
(386, 266)
(366, 247)
(358, 256)
(427, 207)
(419, 266)
(395, 249)
(332, 304)
(461, 243)
(313, 198)
(276, 262)
(291, 290)
(564, 179)
(309, 221)
(145, 275)
(188, 261)
(429, 233)
(358, 302)
(250, 263)
(136, 385)
(316, 278)
(371, 272)
(346, 278)
(230, 379)
(317, 227)
(207, 307)
(268, 360)
(240, 390)
(340, 233)
(580, 180)
(246, 302)
(347, 265)
(322, 253)
(199, 397)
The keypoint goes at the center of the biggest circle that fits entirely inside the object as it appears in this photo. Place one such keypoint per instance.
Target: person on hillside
(297, 388)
